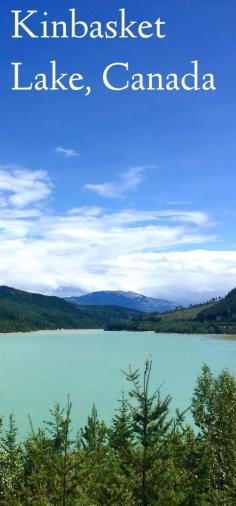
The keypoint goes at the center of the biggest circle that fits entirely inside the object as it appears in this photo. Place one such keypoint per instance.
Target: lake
(39, 369)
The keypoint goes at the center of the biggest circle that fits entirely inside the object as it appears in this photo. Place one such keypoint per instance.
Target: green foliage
(11, 462)
(214, 411)
(150, 426)
(121, 433)
(93, 437)
(23, 311)
(145, 458)
(224, 310)
(214, 317)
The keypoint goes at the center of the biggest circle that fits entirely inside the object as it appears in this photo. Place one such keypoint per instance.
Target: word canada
(116, 77)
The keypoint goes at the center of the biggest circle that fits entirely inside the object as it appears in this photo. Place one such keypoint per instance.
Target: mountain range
(24, 311)
(130, 300)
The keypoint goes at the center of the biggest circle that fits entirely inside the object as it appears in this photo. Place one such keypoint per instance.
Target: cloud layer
(160, 252)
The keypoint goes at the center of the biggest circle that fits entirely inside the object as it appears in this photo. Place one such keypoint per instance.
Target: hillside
(214, 317)
(129, 300)
(179, 320)
(23, 311)
(224, 309)
(222, 314)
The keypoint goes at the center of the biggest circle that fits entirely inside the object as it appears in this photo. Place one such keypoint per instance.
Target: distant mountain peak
(127, 299)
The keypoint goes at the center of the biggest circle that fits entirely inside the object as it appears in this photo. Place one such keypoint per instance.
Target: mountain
(223, 312)
(129, 300)
(213, 317)
(24, 311)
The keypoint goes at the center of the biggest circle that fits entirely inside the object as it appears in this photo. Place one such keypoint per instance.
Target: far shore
(47, 330)
(231, 337)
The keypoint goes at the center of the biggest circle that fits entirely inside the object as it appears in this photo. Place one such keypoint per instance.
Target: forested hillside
(24, 311)
(214, 317)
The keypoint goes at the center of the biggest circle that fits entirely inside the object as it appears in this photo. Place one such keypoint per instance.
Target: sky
(120, 190)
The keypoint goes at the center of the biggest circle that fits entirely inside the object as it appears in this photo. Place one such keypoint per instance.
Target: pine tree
(51, 463)
(150, 425)
(11, 462)
(214, 412)
(93, 437)
(121, 435)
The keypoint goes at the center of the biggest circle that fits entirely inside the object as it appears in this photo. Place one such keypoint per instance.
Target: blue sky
(128, 190)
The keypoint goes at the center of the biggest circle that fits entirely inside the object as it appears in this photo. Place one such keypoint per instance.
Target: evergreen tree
(51, 465)
(93, 437)
(121, 434)
(11, 463)
(214, 412)
(150, 425)
(143, 459)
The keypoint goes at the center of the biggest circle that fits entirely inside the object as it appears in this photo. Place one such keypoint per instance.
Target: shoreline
(18, 332)
(228, 337)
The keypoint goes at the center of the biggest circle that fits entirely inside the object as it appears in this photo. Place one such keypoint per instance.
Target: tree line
(144, 457)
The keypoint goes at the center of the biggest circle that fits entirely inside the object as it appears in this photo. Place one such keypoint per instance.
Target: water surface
(39, 369)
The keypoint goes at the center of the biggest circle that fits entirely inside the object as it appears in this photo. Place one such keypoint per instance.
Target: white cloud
(20, 187)
(66, 153)
(161, 252)
(128, 181)
(198, 274)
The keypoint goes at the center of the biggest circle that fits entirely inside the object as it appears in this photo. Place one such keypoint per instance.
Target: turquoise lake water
(39, 369)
